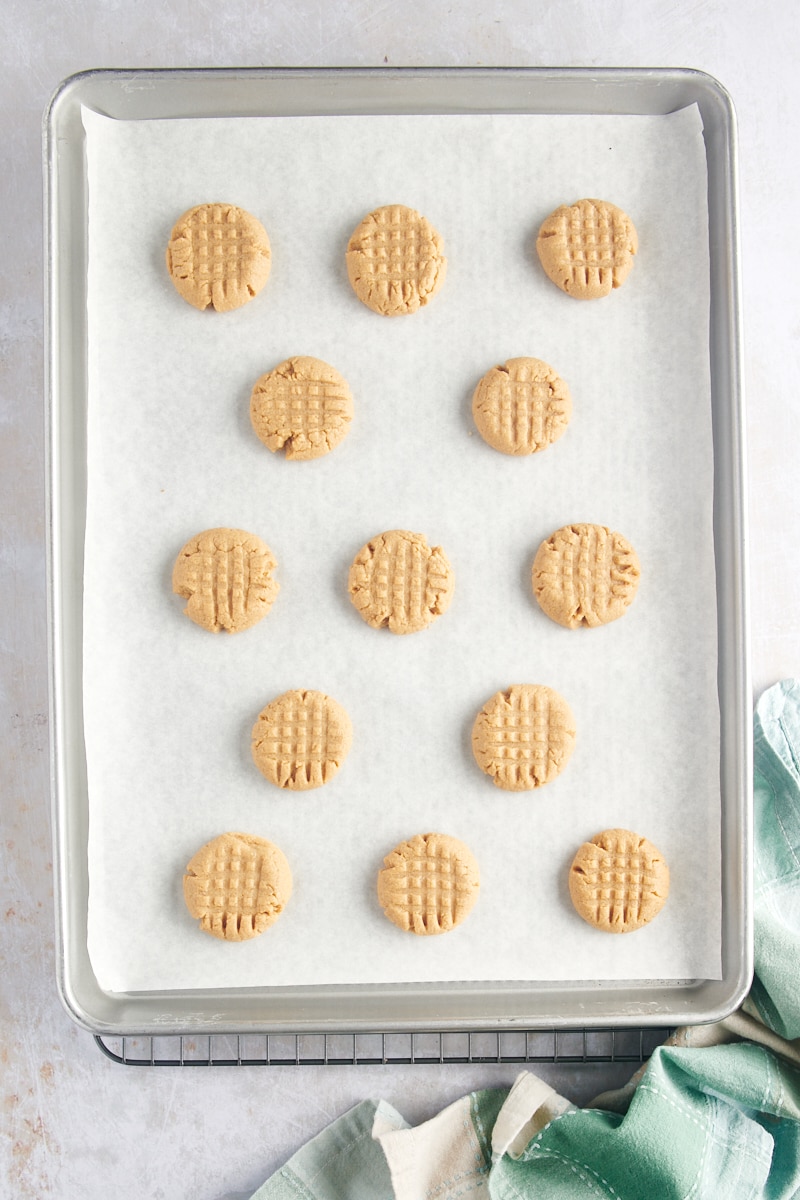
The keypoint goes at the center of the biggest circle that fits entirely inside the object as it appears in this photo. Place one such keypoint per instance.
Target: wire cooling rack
(370, 1049)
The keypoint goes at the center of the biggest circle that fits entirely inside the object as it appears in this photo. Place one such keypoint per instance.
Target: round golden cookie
(618, 881)
(587, 248)
(237, 886)
(226, 575)
(398, 582)
(428, 884)
(218, 254)
(585, 575)
(303, 406)
(395, 261)
(524, 737)
(301, 739)
(521, 407)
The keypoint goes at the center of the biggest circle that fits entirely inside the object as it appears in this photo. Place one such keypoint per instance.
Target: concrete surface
(74, 1124)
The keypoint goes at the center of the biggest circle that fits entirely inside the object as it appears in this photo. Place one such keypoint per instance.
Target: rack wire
(373, 1049)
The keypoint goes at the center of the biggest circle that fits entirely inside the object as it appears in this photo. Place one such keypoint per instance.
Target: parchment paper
(169, 707)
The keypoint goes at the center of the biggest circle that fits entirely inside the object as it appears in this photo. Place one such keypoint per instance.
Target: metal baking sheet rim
(443, 1007)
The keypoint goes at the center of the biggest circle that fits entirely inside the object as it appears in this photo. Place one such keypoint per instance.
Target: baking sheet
(168, 708)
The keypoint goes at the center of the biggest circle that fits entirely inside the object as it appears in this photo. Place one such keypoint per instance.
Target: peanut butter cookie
(524, 737)
(585, 575)
(301, 739)
(398, 582)
(395, 261)
(303, 406)
(218, 254)
(226, 575)
(521, 407)
(428, 884)
(618, 881)
(237, 886)
(587, 248)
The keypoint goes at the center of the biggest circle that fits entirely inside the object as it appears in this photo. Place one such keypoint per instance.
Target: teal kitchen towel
(701, 1121)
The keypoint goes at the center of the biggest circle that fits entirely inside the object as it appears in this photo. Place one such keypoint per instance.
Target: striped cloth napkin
(713, 1115)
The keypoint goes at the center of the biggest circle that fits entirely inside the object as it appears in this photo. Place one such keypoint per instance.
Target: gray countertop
(73, 1122)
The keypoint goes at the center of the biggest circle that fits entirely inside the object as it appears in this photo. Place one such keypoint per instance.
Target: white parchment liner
(169, 707)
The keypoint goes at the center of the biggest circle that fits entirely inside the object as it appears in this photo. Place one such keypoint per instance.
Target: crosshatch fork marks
(226, 576)
(428, 884)
(397, 581)
(521, 407)
(395, 260)
(301, 739)
(237, 885)
(219, 244)
(587, 248)
(618, 881)
(585, 575)
(218, 254)
(524, 737)
(395, 248)
(303, 406)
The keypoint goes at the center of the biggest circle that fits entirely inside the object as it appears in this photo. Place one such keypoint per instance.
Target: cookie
(618, 881)
(226, 575)
(428, 884)
(587, 248)
(218, 254)
(523, 737)
(398, 582)
(237, 885)
(585, 575)
(301, 739)
(395, 261)
(521, 407)
(303, 406)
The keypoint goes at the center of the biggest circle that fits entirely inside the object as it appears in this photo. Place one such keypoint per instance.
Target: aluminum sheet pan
(479, 1004)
